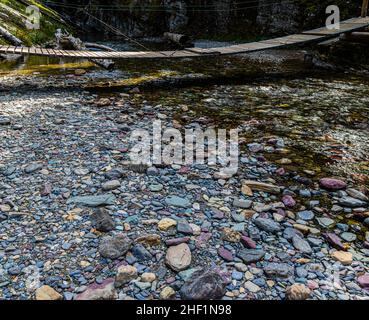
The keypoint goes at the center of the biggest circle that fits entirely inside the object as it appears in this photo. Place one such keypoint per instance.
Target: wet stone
(33, 167)
(251, 255)
(184, 227)
(351, 202)
(176, 201)
(306, 215)
(301, 245)
(332, 184)
(240, 203)
(348, 236)
(267, 225)
(93, 201)
(141, 253)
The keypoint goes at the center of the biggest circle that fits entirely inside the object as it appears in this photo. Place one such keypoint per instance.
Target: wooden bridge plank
(305, 37)
(18, 50)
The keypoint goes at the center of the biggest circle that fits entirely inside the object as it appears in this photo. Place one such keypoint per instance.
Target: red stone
(225, 254)
(177, 241)
(248, 242)
(334, 240)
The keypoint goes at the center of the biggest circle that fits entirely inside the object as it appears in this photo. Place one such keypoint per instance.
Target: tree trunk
(68, 42)
(9, 37)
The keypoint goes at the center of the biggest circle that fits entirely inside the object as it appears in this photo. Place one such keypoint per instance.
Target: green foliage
(13, 15)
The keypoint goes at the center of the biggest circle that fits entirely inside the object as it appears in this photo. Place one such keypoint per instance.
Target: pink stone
(364, 281)
(103, 291)
(332, 184)
(46, 189)
(248, 242)
(312, 285)
(202, 239)
(184, 170)
(281, 171)
(288, 201)
(225, 254)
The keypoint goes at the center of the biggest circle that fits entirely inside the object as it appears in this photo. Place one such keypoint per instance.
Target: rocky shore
(78, 222)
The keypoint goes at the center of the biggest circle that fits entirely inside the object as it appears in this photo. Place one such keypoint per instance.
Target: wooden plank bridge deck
(316, 35)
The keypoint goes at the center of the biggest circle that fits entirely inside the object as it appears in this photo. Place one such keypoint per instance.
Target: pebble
(332, 184)
(166, 224)
(204, 285)
(251, 287)
(45, 292)
(167, 293)
(111, 185)
(178, 257)
(363, 281)
(103, 291)
(114, 247)
(102, 221)
(176, 201)
(267, 225)
(250, 255)
(278, 270)
(298, 291)
(93, 201)
(306, 215)
(259, 230)
(124, 275)
(344, 257)
(348, 236)
(301, 245)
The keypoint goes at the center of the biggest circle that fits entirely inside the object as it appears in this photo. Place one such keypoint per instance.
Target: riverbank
(166, 232)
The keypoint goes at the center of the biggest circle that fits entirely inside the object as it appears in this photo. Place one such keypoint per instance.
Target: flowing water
(323, 119)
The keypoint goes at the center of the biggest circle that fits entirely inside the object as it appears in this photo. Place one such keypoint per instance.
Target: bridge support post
(364, 8)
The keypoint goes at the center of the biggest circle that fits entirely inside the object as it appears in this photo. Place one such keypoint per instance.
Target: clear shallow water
(324, 120)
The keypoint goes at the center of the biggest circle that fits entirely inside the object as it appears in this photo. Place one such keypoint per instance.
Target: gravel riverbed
(77, 221)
